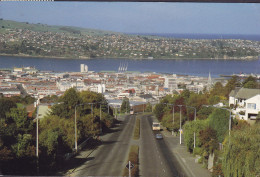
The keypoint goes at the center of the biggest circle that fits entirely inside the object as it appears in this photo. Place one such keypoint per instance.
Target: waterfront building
(83, 68)
(170, 82)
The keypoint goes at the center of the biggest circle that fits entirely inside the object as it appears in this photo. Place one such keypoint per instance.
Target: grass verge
(133, 158)
(137, 129)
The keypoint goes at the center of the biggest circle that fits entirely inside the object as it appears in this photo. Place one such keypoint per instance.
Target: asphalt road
(111, 157)
(155, 157)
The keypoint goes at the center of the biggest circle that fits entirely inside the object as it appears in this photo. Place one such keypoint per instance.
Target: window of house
(251, 105)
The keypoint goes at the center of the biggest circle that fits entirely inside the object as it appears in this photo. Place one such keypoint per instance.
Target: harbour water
(197, 67)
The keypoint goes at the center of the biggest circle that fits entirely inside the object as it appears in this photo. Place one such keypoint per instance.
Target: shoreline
(118, 58)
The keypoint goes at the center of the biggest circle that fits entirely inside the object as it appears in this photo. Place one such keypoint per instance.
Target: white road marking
(163, 170)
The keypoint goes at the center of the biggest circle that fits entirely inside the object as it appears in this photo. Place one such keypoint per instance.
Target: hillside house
(245, 103)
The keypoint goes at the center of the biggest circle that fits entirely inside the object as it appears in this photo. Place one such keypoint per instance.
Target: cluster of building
(140, 88)
(144, 87)
(64, 44)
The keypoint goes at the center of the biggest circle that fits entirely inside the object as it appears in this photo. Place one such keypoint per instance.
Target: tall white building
(83, 68)
(101, 88)
(170, 82)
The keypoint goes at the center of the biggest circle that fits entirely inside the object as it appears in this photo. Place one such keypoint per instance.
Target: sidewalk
(186, 160)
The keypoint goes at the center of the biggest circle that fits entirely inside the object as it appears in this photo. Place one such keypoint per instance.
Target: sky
(140, 17)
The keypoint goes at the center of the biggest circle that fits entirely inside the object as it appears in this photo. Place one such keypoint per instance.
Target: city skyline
(140, 17)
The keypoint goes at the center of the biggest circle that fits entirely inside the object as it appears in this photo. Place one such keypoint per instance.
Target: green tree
(159, 111)
(5, 106)
(24, 146)
(242, 157)
(248, 79)
(251, 85)
(69, 100)
(219, 121)
(218, 90)
(214, 99)
(197, 100)
(208, 139)
(125, 106)
(232, 84)
(204, 112)
(148, 107)
(19, 116)
(56, 134)
(189, 128)
(185, 94)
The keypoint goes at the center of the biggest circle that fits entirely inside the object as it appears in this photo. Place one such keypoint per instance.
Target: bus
(156, 126)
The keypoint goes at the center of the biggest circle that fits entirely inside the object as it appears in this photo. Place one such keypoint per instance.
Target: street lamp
(100, 104)
(195, 120)
(180, 122)
(76, 143)
(229, 124)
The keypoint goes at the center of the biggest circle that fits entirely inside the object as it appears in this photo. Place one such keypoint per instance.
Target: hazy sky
(140, 17)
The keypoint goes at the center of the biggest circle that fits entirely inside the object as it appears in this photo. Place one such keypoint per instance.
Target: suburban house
(245, 103)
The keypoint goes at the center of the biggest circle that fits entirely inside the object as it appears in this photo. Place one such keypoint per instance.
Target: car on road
(158, 136)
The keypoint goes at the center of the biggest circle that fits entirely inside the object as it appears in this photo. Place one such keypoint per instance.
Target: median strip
(133, 158)
(137, 129)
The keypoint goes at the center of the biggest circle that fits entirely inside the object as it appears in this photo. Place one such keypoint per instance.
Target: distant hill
(9, 24)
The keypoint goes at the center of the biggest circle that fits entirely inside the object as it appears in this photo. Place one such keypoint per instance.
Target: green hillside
(8, 24)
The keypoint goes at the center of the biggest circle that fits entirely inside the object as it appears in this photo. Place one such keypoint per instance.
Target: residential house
(246, 102)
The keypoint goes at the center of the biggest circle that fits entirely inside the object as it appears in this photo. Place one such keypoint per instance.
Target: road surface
(155, 157)
(111, 157)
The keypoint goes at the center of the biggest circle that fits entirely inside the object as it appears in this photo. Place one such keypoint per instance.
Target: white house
(246, 102)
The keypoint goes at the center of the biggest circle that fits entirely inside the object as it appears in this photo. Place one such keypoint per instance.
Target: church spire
(209, 84)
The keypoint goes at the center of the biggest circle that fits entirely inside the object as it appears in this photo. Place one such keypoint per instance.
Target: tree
(219, 121)
(5, 106)
(232, 84)
(185, 94)
(251, 85)
(69, 100)
(24, 146)
(242, 157)
(159, 111)
(125, 106)
(189, 128)
(197, 100)
(204, 112)
(208, 139)
(19, 116)
(56, 132)
(248, 79)
(218, 90)
(148, 107)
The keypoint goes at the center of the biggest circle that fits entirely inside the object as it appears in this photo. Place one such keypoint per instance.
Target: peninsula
(40, 40)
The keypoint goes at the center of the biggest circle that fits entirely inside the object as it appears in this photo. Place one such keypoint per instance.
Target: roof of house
(245, 93)
(234, 92)
(147, 96)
